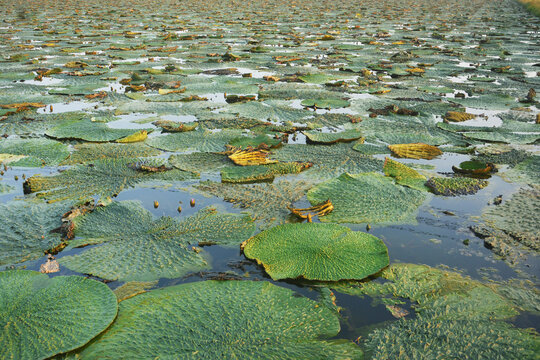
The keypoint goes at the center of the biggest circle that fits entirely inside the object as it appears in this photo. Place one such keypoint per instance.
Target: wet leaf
(455, 186)
(367, 198)
(325, 252)
(102, 178)
(136, 247)
(172, 321)
(404, 175)
(28, 230)
(41, 317)
(252, 173)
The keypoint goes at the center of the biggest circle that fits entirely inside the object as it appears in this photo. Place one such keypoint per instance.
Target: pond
(272, 179)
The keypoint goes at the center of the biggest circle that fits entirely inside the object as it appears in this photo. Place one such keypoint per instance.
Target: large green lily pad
(27, 230)
(36, 152)
(367, 198)
(198, 140)
(206, 320)
(103, 178)
(325, 252)
(252, 173)
(90, 131)
(136, 247)
(84, 153)
(266, 202)
(329, 161)
(42, 317)
(333, 137)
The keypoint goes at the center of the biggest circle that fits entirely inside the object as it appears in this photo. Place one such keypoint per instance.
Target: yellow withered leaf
(251, 156)
(136, 137)
(415, 151)
(171, 91)
(458, 116)
(319, 210)
(22, 105)
(415, 70)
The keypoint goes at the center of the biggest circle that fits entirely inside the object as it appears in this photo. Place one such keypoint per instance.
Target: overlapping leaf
(136, 247)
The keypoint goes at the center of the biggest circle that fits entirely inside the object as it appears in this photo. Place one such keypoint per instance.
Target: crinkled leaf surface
(198, 140)
(266, 202)
(199, 162)
(103, 178)
(367, 198)
(90, 131)
(26, 229)
(84, 153)
(455, 186)
(43, 316)
(456, 316)
(325, 252)
(404, 175)
(251, 173)
(332, 137)
(329, 161)
(133, 246)
(206, 320)
(37, 152)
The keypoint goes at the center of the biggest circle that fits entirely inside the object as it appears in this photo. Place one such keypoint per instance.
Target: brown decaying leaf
(22, 105)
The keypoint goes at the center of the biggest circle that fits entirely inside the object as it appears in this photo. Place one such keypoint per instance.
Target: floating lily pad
(329, 161)
(268, 110)
(467, 313)
(103, 178)
(171, 322)
(136, 247)
(252, 173)
(89, 131)
(474, 167)
(325, 103)
(35, 152)
(198, 140)
(525, 172)
(510, 229)
(266, 202)
(261, 140)
(404, 175)
(200, 162)
(27, 229)
(367, 198)
(84, 153)
(43, 316)
(455, 186)
(325, 252)
(333, 137)
(415, 151)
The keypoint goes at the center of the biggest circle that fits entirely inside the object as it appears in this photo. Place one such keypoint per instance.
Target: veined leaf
(325, 252)
(43, 316)
(136, 247)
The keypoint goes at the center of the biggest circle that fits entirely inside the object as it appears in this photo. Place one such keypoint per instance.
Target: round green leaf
(222, 320)
(41, 316)
(367, 198)
(326, 252)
